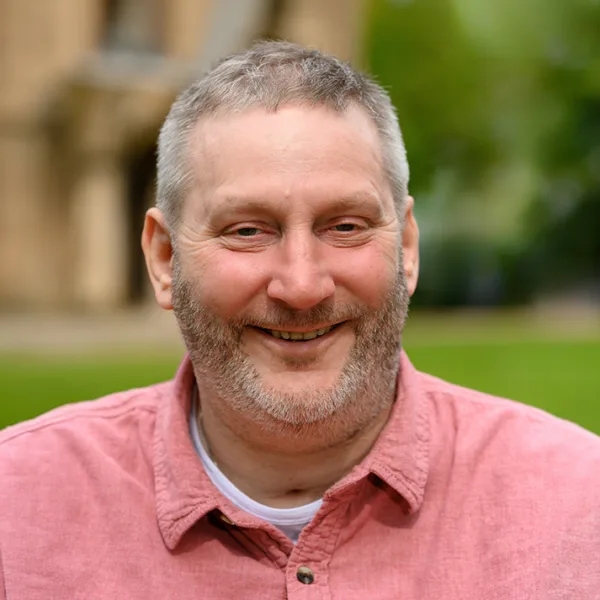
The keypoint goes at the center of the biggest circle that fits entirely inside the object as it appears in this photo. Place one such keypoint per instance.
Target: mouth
(300, 336)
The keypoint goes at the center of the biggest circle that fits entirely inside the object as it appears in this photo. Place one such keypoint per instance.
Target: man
(297, 453)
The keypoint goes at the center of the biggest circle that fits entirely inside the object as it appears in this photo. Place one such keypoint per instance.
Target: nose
(302, 276)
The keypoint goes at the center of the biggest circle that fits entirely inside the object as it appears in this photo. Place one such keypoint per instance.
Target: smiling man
(297, 453)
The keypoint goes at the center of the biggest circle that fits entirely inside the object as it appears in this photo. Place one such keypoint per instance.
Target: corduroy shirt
(463, 497)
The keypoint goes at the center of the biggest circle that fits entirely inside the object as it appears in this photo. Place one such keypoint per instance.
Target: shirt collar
(400, 457)
(185, 494)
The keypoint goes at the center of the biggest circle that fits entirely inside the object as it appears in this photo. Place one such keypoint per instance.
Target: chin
(301, 382)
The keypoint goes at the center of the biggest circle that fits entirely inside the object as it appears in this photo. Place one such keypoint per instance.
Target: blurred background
(500, 108)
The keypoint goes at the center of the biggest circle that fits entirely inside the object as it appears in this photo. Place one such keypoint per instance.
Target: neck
(284, 468)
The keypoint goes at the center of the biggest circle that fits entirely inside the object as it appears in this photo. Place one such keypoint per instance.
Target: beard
(364, 387)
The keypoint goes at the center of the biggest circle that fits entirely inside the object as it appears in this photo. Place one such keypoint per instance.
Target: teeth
(324, 330)
(296, 335)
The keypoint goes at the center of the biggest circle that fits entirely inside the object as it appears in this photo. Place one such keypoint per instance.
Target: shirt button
(305, 575)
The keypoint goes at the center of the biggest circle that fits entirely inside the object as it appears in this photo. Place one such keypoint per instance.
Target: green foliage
(438, 83)
(500, 108)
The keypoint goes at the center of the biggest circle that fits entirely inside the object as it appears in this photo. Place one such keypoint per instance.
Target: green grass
(560, 377)
(31, 385)
(521, 362)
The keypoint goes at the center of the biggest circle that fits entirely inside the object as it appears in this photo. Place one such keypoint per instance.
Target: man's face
(288, 284)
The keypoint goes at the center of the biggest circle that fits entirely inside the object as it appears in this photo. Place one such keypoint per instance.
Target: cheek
(369, 275)
(229, 281)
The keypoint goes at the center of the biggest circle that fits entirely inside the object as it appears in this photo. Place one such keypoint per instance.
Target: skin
(291, 226)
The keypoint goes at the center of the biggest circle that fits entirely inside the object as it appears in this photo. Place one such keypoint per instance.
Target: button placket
(310, 558)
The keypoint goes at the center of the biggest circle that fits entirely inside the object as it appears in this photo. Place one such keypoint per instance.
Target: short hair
(271, 75)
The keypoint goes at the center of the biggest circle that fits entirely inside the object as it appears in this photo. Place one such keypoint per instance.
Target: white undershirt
(289, 520)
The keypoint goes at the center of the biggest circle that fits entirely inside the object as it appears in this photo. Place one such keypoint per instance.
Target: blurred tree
(438, 83)
(499, 105)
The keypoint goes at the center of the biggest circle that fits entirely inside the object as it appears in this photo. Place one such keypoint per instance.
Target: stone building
(85, 86)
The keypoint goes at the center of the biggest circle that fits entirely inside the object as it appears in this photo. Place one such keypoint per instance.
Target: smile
(300, 336)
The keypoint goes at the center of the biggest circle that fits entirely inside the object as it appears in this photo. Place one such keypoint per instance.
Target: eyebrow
(358, 201)
(352, 202)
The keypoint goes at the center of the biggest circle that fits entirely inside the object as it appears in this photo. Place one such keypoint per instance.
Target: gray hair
(268, 76)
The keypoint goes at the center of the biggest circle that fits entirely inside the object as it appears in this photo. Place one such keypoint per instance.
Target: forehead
(298, 138)
(296, 161)
(288, 123)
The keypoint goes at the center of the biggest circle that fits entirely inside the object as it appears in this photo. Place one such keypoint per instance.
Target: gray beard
(364, 388)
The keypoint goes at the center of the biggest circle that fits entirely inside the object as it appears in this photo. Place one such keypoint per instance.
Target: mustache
(279, 317)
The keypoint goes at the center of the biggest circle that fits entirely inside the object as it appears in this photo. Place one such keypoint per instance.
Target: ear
(410, 246)
(158, 251)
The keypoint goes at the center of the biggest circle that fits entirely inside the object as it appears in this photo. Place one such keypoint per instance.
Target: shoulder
(521, 449)
(77, 468)
(79, 431)
(519, 476)
(490, 420)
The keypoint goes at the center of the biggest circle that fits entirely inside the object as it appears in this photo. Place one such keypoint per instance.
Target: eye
(345, 227)
(346, 231)
(248, 236)
(247, 231)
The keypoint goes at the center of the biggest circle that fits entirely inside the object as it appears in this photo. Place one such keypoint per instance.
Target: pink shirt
(464, 497)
